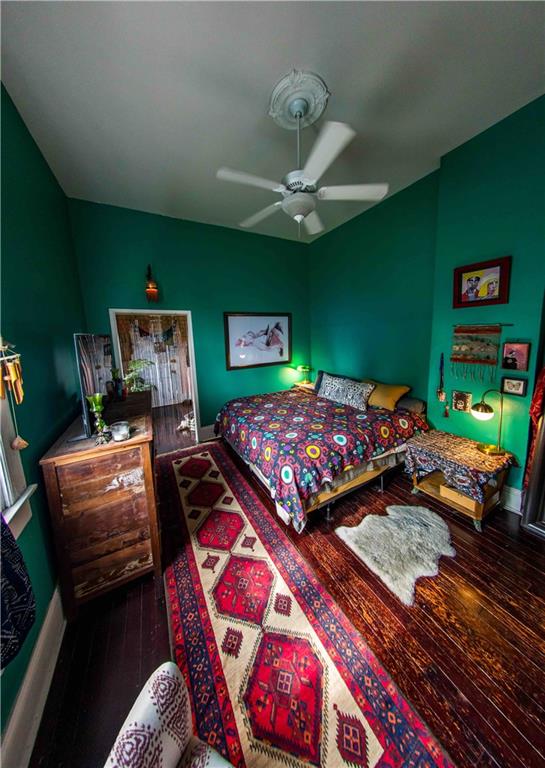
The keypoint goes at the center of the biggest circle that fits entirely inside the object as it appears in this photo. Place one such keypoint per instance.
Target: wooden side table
(452, 469)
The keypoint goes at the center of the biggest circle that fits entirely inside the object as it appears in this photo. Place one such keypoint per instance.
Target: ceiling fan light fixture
(298, 205)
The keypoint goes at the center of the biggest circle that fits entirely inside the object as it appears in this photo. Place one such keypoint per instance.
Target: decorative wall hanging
(515, 355)
(474, 352)
(257, 338)
(481, 284)
(461, 401)
(512, 386)
(11, 383)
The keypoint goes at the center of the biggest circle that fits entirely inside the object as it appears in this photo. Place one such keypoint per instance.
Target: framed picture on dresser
(257, 338)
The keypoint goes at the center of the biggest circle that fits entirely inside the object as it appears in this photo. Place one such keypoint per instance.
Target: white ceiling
(138, 104)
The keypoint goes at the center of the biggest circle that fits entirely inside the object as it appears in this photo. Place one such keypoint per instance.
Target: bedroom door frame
(193, 367)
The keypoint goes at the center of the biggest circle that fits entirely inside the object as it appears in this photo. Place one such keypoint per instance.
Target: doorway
(162, 343)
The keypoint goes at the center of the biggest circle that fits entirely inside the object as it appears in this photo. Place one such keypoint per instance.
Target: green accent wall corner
(371, 290)
(41, 309)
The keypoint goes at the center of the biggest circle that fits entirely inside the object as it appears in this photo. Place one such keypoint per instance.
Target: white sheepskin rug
(400, 547)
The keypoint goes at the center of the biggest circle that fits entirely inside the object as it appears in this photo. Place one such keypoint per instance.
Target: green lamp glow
(305, 369)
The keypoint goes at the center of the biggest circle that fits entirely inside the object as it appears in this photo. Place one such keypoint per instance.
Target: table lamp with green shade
(484, 412)
(304, 369)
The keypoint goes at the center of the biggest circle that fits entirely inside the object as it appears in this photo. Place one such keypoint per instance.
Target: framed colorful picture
(461, 401)
(257, 338)
(510, 386)
(481, 284)
(515, 355)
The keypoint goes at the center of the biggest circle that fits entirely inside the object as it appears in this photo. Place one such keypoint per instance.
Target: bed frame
(328, 498)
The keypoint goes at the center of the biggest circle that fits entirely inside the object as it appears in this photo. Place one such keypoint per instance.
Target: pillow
(412, 404)
(386, 395)
(346, 391)
(320, 373)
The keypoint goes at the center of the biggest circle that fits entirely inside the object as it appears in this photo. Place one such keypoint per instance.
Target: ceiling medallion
(299, 93)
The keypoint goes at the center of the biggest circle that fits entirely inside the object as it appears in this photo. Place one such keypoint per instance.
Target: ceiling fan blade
(330, 143)
(260, 215)
(240, 177)
(313, 223)
(369, 192)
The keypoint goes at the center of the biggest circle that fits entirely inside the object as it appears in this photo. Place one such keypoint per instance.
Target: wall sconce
(152, 291)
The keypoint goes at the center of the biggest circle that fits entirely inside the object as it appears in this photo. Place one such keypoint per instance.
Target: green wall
(205, 269)
(371, 290)
(41, 308)
(491, 204)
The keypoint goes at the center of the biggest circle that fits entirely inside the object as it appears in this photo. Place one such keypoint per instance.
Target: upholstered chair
(158, 730)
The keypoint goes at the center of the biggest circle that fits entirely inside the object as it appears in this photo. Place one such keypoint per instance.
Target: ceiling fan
(297, 101)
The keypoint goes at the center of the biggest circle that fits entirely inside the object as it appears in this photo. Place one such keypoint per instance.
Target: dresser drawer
(111, 569)
(104, 530)
(89, 485)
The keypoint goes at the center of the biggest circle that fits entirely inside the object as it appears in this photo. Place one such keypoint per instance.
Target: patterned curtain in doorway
(163, 339)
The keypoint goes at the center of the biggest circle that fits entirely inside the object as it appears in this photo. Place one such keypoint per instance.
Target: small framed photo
(515, 355)
(461, 401)
(481, 284)
(257, 338)
(510, 386)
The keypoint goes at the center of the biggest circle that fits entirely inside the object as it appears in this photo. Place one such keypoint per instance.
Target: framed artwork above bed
(257, 338)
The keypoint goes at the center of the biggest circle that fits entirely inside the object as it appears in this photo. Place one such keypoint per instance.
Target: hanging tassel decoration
(11, 383)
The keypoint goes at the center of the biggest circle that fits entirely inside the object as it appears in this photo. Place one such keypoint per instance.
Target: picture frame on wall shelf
(255, 339)
(461, 401)
(514, 386)
(515, 355)
(482, 284)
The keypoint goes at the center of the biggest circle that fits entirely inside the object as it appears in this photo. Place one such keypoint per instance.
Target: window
(14, 491)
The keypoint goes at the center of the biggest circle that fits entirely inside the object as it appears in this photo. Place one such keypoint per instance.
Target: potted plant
(133, 378)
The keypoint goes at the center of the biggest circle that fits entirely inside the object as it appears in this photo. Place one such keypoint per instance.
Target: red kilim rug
(278, 675)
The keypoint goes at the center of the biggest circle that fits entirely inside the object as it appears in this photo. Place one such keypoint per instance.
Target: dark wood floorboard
(107, 654)
(469, 654)
(165, 435)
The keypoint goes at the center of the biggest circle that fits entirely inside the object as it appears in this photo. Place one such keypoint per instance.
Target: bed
(308, 451)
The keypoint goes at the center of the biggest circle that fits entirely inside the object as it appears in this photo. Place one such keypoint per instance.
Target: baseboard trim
(511, 499)
(22, 728)
(206, 433)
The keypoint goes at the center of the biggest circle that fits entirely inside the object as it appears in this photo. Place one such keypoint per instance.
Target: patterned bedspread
(299, 441)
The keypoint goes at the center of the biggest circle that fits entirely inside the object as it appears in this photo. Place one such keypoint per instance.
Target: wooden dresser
(102, 506)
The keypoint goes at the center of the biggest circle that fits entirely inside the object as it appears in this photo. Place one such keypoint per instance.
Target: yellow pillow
(386, 395)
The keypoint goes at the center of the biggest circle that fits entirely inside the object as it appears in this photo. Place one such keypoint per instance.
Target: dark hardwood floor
(166, 437)
(107, 654)
(469, 655)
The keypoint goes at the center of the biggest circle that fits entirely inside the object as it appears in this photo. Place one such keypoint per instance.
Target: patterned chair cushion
(158, 730)
(346, 391)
